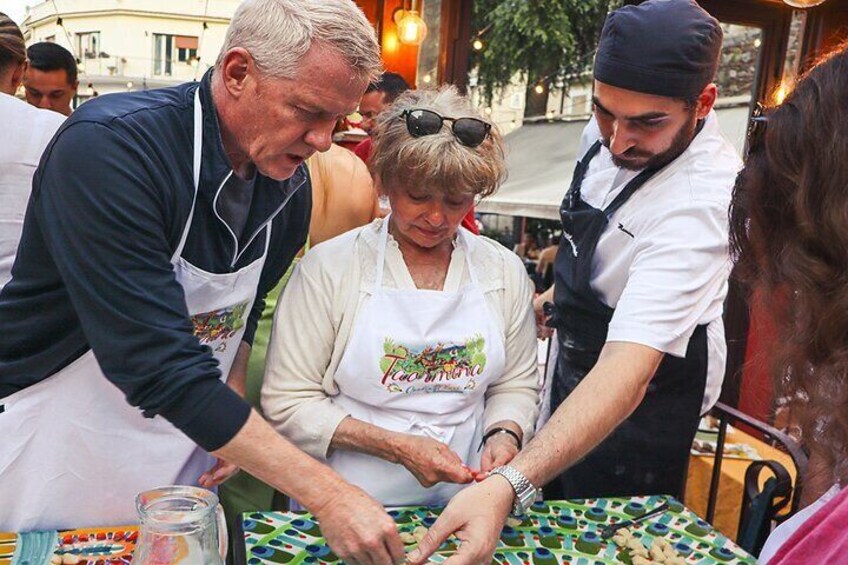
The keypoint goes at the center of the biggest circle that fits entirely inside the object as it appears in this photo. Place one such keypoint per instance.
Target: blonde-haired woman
(404, 352)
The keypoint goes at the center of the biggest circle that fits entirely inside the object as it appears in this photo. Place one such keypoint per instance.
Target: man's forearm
(261, 451)
(607, 396)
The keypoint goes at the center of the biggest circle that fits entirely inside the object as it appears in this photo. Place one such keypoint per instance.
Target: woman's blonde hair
(437, 161)
(12, 46)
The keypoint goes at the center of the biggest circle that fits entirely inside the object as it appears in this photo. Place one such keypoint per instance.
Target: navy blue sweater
(109, 203)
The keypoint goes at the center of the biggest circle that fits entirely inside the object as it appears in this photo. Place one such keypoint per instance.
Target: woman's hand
(430, 461)
(499, 450)
(219, 473)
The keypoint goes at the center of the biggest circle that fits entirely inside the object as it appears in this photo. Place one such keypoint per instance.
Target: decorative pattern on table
(85, 546)
(551, 533)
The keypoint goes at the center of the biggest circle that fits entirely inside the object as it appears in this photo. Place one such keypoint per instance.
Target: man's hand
(431, 461)
(221, 472)
(476, 516)
(358, 529)
(499, 450)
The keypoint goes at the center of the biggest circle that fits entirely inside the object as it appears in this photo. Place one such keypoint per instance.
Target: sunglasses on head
(469, 131)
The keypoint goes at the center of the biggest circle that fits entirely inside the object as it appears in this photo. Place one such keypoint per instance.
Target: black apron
(648, 453)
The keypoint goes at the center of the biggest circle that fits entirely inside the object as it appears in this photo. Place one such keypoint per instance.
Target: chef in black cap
(640, 279)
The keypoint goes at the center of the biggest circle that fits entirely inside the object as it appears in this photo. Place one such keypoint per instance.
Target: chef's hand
(221, 472)
(499, 450)
(476, 516)
(431, 461)
(358, 529)
(542, 330)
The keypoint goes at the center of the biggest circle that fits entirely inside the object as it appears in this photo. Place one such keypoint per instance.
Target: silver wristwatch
(525, 492)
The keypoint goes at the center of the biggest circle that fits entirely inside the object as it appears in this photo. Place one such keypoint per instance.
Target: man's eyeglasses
(469, 131)
(757, 127)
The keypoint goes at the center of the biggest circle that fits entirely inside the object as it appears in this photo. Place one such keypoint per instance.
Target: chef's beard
(635, 160)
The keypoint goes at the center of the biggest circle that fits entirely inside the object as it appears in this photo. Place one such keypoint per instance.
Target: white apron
(73, 453)
(418, 362)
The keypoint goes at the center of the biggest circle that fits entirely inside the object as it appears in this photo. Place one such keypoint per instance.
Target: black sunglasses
(757, 127)
(469, 131)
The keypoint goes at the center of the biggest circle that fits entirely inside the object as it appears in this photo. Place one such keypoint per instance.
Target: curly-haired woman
(790, 230)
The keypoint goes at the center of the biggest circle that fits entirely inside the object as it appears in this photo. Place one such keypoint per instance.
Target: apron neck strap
(572, 197)
(464, 239)
(195, 170)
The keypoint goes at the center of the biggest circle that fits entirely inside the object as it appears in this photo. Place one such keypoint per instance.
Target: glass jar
(180, 525)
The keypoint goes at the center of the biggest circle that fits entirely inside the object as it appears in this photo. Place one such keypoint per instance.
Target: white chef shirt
(26, 132)
(670, 275)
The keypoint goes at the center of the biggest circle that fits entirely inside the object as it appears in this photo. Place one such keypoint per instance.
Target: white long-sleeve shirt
(26, 132)
(315, 316)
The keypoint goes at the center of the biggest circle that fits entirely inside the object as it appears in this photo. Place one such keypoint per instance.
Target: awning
(185, 42)
(541, 156)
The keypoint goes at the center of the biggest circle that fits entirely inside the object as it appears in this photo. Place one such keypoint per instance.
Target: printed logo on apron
(217, 327)
(451, 367)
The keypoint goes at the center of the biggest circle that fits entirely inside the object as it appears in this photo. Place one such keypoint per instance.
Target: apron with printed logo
(75, 454)
(418, 362)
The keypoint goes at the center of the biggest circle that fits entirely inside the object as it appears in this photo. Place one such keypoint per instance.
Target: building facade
(123, 45)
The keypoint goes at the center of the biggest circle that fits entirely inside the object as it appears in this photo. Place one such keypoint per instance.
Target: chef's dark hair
(48, 56)
(789, 232)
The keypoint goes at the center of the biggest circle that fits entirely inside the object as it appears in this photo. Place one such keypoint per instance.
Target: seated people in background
(27, 132)
(343, 198)
(545, 265)
(789, 231)
(400, 347)
(527, 248)
(50, 79)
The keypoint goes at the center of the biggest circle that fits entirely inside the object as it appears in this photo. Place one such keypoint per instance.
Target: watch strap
(525, 492)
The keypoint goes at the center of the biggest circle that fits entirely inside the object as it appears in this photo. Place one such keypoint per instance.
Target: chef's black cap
(662, 47)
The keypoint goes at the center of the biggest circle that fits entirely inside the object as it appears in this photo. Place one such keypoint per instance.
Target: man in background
(27, 132)
(50, 79)
(379, 94)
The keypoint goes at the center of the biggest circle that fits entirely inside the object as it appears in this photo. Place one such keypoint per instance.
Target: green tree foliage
(542, 40)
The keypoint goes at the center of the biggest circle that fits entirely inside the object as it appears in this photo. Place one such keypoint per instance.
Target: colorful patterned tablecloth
(85, 546)
(552, 533)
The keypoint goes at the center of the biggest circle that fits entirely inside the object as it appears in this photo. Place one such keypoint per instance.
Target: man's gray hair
(278, 33)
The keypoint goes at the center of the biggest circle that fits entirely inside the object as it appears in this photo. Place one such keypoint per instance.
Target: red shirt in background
(363, 151)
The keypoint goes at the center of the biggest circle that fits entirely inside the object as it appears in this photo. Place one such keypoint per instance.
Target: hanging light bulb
(803, 3)
(540, 89)
(477, 45)
(412, 30)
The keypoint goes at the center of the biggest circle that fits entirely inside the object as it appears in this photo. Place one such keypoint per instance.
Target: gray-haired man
(159, 220)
